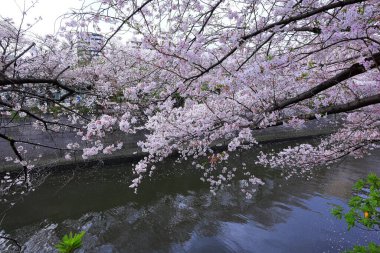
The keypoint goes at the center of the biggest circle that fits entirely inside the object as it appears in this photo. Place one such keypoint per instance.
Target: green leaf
(337, 212)
(70, 242)
(311, 64)
(204, 87)
(350, 219)
(355, 202)
(373, 179)
(364, 210)
(359, 185)
(371, 248)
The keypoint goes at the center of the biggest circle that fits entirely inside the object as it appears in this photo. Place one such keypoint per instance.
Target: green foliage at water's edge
(364, 210)
(70, 242)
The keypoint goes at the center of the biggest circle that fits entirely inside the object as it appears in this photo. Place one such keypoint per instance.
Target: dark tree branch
(335, 109)
(255, 51)
(60, 73)
(44, 98)
(17, 57)
(10, 81)
(13, 241)
(350, 106)
(4, 81)
(33, 143)
(124, 22)
(338, 4)
(354, 70)
(32, 115)
(211, 12)
(281, 23)
(315, 30)
(12, 143)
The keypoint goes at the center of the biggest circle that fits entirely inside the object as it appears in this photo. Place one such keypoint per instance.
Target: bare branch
(60, 73)
(315, 30)
(13, 241)
(17, 153)
(17, 57)
(124, 22)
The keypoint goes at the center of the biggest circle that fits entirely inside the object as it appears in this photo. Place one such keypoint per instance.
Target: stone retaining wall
(130, 151)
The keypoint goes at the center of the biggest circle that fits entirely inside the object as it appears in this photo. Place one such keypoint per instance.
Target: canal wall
(54, 158)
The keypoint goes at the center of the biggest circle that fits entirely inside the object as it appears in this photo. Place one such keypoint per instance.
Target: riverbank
(130, 152)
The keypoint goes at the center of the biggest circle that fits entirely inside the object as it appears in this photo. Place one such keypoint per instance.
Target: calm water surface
(177, 213)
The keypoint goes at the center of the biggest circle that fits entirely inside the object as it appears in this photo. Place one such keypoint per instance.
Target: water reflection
(177, 213)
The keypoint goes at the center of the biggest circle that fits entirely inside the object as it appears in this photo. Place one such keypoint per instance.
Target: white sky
(49, 10)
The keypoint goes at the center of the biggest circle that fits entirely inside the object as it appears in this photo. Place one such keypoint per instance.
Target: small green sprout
(70, 242)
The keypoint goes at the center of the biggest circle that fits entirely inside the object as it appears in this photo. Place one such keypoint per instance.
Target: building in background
(89, 45)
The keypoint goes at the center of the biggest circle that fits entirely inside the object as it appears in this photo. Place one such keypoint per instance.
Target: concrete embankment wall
(130, 151)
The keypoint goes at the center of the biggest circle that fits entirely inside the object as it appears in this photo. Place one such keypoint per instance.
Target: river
(175, 211)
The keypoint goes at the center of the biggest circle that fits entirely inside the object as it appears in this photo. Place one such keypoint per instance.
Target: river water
(176, 212)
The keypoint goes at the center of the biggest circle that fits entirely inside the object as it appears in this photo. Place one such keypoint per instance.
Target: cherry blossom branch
(255, 51)
(354, 70)
(9, 81)
(12, 143)
(336, 109)
(315, 30)
(44, 98)
(210, 12)
(32, 115)
(124, 22)
(347, 107)
(273, 25)
(14, 241)
(35, 143)
(17, 57)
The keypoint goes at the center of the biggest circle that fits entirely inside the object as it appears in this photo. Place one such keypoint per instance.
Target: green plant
(364, 204)
(364, 210)
(70, 242)
(371, 248)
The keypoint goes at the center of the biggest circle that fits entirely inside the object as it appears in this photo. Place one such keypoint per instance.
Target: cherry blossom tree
(192, 73)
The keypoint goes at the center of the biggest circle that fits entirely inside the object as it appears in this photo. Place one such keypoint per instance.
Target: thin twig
(17, 57)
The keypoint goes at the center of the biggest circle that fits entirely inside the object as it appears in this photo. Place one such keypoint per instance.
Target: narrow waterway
(176, 212)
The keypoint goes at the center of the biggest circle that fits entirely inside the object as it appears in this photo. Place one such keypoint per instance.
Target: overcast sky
(49, 10)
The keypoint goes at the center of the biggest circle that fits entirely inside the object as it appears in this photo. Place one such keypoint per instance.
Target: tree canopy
(190, 73)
